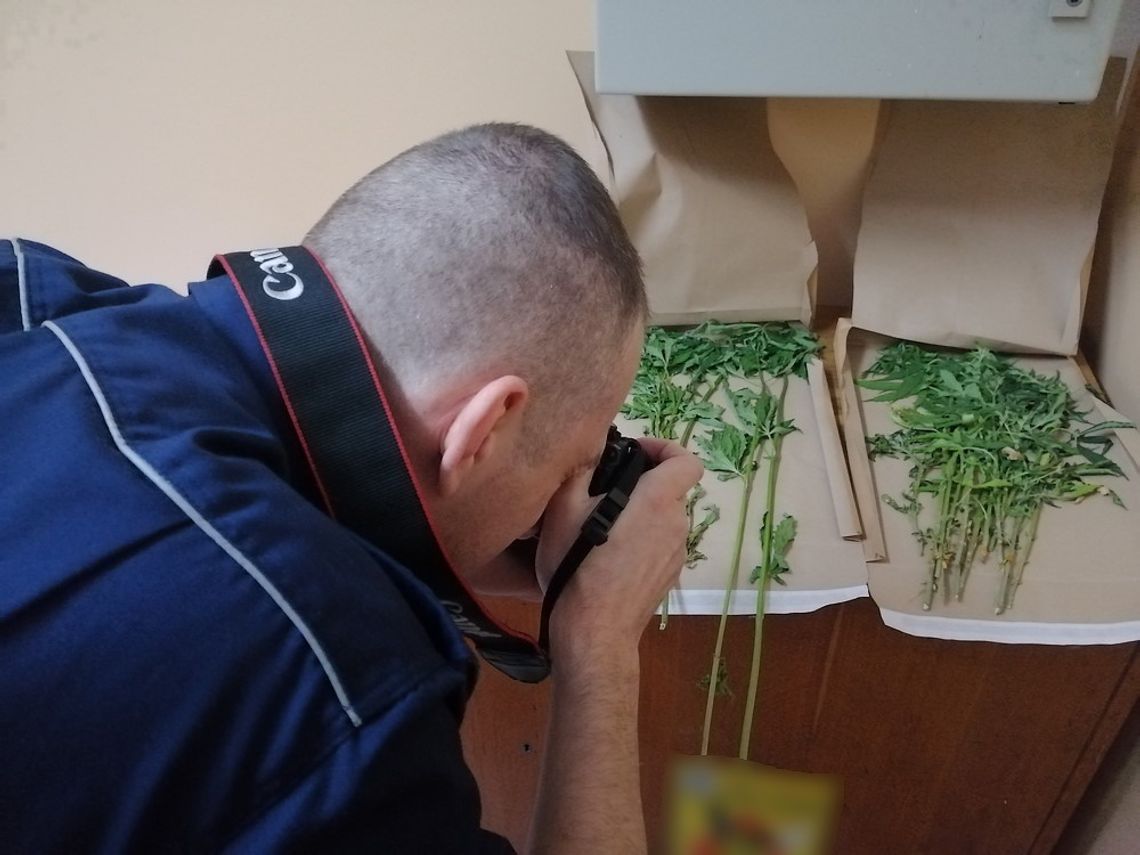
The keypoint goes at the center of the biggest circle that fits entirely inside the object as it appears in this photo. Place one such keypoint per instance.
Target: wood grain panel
(943, 747)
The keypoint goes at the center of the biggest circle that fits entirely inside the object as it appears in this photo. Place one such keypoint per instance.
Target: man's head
(505, 307)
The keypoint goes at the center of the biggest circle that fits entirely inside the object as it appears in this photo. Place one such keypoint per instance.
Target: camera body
(622, 463)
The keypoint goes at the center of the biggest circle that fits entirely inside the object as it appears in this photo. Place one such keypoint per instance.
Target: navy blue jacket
(193, 657)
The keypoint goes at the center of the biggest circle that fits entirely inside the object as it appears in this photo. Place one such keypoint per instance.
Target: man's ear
(484, 421)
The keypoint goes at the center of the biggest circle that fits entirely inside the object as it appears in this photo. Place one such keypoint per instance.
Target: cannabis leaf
(727, 450)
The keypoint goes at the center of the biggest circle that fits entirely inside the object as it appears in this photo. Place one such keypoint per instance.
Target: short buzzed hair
(491, 250)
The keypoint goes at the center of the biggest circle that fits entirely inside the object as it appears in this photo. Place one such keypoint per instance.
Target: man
(195, 657)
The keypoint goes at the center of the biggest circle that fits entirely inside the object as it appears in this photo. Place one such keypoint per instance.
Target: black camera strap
(619, 482)
(332, 392)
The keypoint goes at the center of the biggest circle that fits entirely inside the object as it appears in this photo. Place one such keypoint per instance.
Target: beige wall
(144, 136)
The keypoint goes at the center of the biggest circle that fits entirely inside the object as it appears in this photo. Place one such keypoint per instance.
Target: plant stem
(1024, 555)
(1008, 553)
(685, 437)
(958, 558)
(691, 512)
(754, 672)
(937, 547)
(766, 562)
(730, 587)
(705, 398)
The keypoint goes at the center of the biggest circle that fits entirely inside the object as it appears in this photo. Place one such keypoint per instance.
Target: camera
(623, 462)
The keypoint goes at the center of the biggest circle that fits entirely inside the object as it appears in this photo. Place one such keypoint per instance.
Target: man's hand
(613, 595)
(590, 795)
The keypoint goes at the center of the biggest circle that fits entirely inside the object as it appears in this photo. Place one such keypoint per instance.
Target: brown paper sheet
(979, 221)
(851, 420)
(1082, 585)
(1112, 312)
(826, 568)
(842, 495)
(826, 146)
(708, 204)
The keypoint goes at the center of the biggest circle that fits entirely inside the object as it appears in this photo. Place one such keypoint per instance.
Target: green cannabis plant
(680, 374)
(990, 445)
